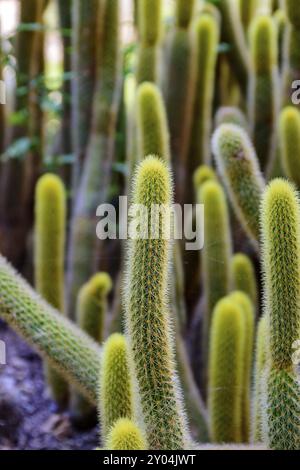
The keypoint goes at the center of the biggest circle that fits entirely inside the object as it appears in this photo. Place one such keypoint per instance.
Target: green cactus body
(147, 317)
(280, 20)
(206, 33)
(203, 174)
(152, 126)
(291, 56)
(238, 166)
(94, 181)
(227, 343)
(259, 376)
(242, 299)
(125, 435)
(91, 310)
(50, 216)
(149, 25)
(233, 34)
(289, 134)
(280, 226)
(216, 255)
(263, 99)
(116, 394)
(243, 276)
(70, 351)
(231, 115)
(179, 90)
(248, 11)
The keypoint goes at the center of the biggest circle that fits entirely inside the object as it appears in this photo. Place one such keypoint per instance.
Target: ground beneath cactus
(28, 417)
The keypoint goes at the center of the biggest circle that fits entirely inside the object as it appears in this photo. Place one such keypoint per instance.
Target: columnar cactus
(90, 313)
(95, 177)
(179, 90)
(152, 125)
(150, 26)
(259, 401)
(238, 166)
(247, 11)
(70, 351)
(291, 56)
(231, 115)
(125, 435)
(116, 392)
(50, 230)
(289, 135)
(263, 99)
(242, 299)
(232, 33)
(216, 255)
(280, 227)
(243, 276)
(227, 347)
(203, 174)
(206, 33)
(147, 317)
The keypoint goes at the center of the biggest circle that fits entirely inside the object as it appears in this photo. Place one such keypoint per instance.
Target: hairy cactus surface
(63, 344)
(125, 435)
(263, 100)
(216, 254)
(242, 299)
(147, 317)
(243, 276)
(238, 166)
(259, 381)
(152, 126)
(90, 313)
(116, 394)
(280, 226)
(227, 347)
(50, 228)
(289, 128)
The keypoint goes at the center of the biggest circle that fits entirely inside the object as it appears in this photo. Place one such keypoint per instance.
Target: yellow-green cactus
(226, 361)
(289, 134)
(116, 391)
(243, 276)
(50, 230)
(125, 435)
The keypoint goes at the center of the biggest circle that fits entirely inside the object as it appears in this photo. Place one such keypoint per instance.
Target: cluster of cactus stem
(208, 118)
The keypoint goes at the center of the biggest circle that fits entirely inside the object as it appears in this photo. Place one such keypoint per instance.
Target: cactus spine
(125, 435)
(116, 394)
(69, 350)
(280, 226)
(241, 299)
(207, 38)
(90, 312)
(227, 342)
(238, 166)
(243, 276)
(150, 19)
(152, 126)
(289, 134)
(263, 88)
(50, 216)
(180, 89)
(147, 318)
(216, 255)
(259, 380)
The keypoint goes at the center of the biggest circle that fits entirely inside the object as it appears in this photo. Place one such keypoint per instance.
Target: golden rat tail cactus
(50, 228)
(147, 316)
(125, 435)
(289, 134)
(280, 228)
(243, 276)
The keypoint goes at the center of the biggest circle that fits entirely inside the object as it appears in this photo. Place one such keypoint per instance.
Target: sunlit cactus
(125, 435)
(244, 277)
(289, 135)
